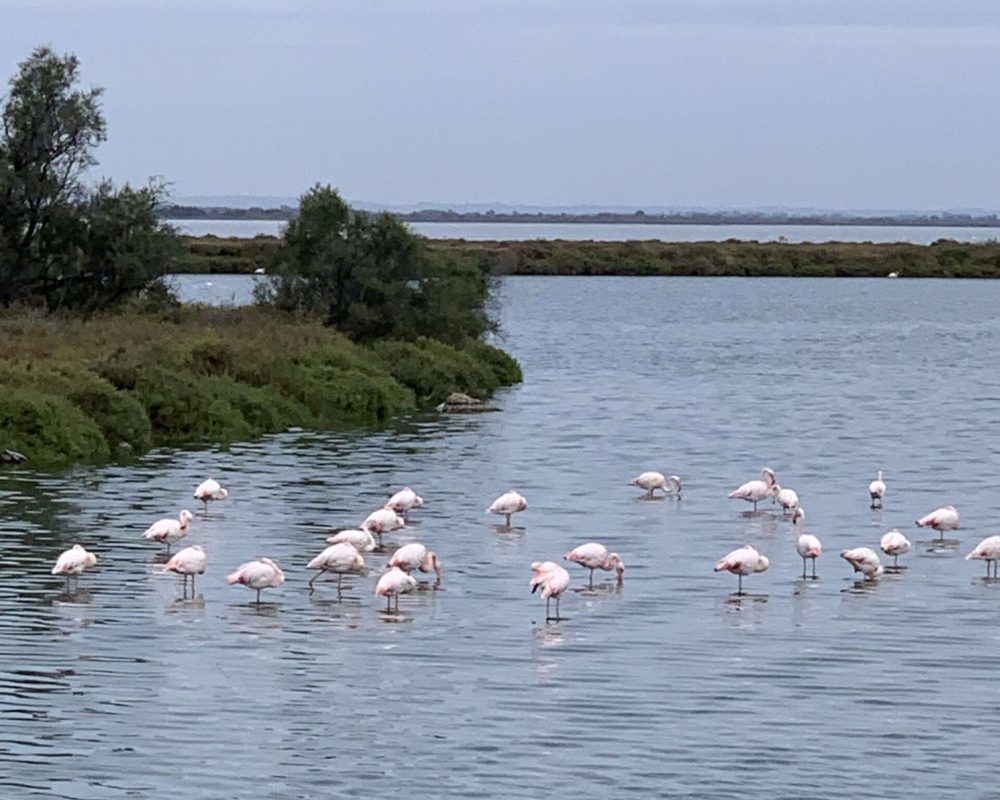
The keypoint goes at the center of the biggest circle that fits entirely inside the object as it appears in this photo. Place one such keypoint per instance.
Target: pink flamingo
(260, 574)
(876, 490)
(787, 499)
(651, 481)
(341, 559)
(169, 530)
(553, 579)
(392, 584)
(755, 491)
(894, 544)
(743, 561)
(209, 490)
(864, 560)
(940, 519)
(189, 561)
(989, 551)
(414, 556)
(382, 520)
(403, 500)
(361, 540)
(72, 562)
(596, 556)
(508, 503)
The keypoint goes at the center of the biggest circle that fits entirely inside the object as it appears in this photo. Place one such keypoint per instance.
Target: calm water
(513, 231)
(668, 687)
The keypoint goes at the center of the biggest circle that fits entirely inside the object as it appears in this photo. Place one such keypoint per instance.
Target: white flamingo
(806, 545)
(341, 559)
(894, 544)
(209, 490)
(651, 481)
(755, 491)
(786, 498)
(169, 530)
(596, 556)
(403, 500)
(72, 562)
(553, 580)
(392, 584)
(876, 489)
(257, 575)
(508, 503)
(743, 561)
(940, 519)
(989, 551)
(864, 560)
(361, 540)
(381, 521)
(189, 561)
(415, 556)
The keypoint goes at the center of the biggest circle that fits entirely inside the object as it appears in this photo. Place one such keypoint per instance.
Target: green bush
(48, 429)
(433, 370)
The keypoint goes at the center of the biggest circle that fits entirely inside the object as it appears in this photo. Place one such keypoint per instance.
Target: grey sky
(718, 103)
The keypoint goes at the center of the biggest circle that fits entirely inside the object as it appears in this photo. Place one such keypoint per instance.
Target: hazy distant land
(638, 217)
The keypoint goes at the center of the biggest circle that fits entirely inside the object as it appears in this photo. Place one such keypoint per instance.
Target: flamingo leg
(192, 584)
(314, 577)
(258, 597)
(895, 560)
(740, 589)
(508, 519)
(388, 603)
(340, 580)
(591, 578)
(547, 615)
(814, 566)
(803, 566)
(754, 505)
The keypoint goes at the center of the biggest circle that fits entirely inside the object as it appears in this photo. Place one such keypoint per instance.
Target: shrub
(48, 429)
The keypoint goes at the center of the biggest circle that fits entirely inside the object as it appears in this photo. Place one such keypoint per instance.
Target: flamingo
(786, 498)
(394, 583)
(553, 579)
(340, 558)
(755, 491)
(507, 504)
(989, 551)
(596, 556)
(382, 520)
(940, 519)
(169, 530)
(189, 561)
(210, 490)
(650, 481)
(743, 561)
(876, 489)
(403, 500)
(415, 556)
(361, 540)
(72, 562)
(260, 574)
(807, 545)
(894, 544)
(864, 560)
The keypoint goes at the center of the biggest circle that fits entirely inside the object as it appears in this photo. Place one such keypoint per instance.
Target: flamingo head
(619, 566)
(676, 481)
(185, 517)
(798, 515)
(762, 564)
(768, 474)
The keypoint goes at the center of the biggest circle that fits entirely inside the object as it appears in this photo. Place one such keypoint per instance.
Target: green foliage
(50, 428)
(434, 370)
(62, 246)
(370, 277)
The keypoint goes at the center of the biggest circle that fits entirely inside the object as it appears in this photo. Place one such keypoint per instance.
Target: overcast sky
(696, 103)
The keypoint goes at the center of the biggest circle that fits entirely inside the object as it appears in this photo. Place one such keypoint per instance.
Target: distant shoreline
(942, 259)
(944, 220)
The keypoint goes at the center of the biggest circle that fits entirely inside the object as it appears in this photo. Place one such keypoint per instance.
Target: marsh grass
(84, 389)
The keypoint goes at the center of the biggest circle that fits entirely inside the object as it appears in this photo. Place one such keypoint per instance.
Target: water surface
(670, 687)
(518, 231)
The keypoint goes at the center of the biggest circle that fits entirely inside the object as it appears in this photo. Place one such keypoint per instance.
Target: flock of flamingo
(343, 556)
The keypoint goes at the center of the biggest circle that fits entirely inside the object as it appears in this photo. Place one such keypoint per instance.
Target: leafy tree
(62, 245)
(370, 276)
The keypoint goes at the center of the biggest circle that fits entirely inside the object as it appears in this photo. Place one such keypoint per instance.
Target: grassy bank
(942, 259)
(85, 390)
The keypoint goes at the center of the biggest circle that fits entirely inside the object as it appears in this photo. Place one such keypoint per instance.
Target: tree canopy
(62, 244)
(370, 276)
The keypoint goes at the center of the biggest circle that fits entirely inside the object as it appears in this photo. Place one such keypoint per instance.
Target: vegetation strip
(942, 259)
